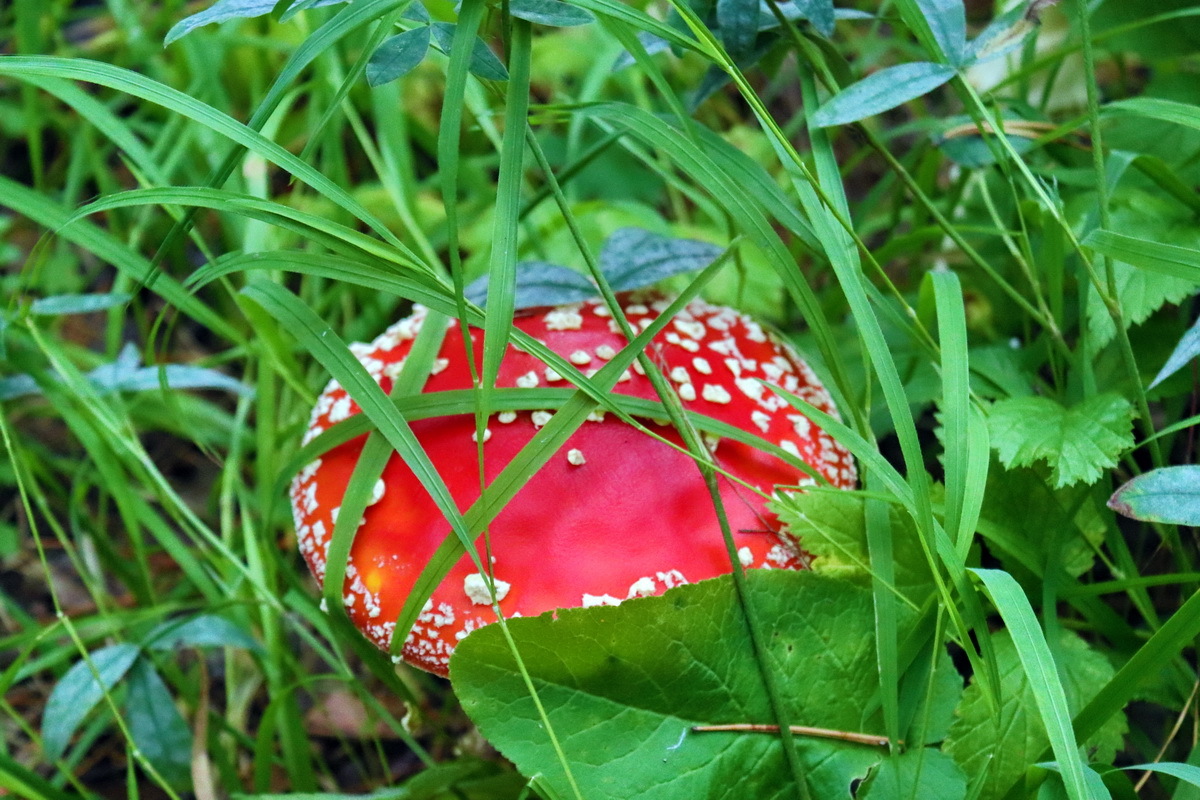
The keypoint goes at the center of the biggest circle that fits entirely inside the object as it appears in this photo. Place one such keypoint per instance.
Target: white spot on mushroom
(625, 377)
(687, 391)
(780, 555)
(601, 310)
(563, 318)
(801, 425)
(476, 588)
(790, 447)
(340, 409)
(638, 368)
(551, 375)
(575, 457)
(692, 328)
(672, 578)
(680, 375)
(745, 556)
(528, 381)
(596, 416)
(540, 418)
(580, 357)
(439, 366)
(377, 492)
(487, 434)
(715, 393)
(605, 352)
(750, 387)
(591, 600)
(642, 587)
(506, 417)
(754, 331)
(702, 366)
(636, 309)
(761, 419)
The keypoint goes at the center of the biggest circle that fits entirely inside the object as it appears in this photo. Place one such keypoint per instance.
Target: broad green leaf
(483, 64)
(881, 91)
(78, 692)
(550, 12)
(921, 773)
(223, 10)
(1078, 443)
(76, 303)
(204, 630)
(1001, 746)
(633, 258)
(1169, 494)
(624, 685)
(1167, 259)
(947, 20)
(539, 284)
(831, 526)
(156, 727)
(822, 14)
(398, 55)
(738, 21)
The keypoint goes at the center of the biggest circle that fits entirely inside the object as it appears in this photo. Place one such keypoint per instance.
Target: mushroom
(614, 515)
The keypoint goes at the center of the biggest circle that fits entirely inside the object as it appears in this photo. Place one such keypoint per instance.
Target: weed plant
(978, 221)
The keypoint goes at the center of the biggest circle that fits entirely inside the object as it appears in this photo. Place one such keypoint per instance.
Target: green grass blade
(1042, 674)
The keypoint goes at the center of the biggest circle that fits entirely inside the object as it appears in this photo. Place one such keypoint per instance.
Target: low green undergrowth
(977, 221)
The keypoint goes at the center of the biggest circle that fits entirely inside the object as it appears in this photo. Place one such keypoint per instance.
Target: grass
(988, 259)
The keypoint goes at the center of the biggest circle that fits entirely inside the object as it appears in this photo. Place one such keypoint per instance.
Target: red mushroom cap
(615, 514)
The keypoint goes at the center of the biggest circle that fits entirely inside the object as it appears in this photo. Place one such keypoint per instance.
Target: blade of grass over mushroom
(502, 268)
(541, 448)
(332, 353)
(746, 214)
(1042, 674)
(369, 469)
(139, 86)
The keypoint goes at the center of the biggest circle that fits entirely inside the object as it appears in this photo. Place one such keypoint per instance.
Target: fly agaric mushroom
(614, 515)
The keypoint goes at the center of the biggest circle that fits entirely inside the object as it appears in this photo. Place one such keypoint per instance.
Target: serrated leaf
(484, 63)
(223, 10)
(550, 12)
(1169, 494)
(882, 91)
(947, 21)
(622, 686)
(1078, 443)
(738, 21)
(1027, 523)
(204, 630)
(539, 284)
(1141, 292)
(1001, 746)
(398, 56)
(155, 725)
(633, 258)
(76, 303)
(916, 773)
(78, 692)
